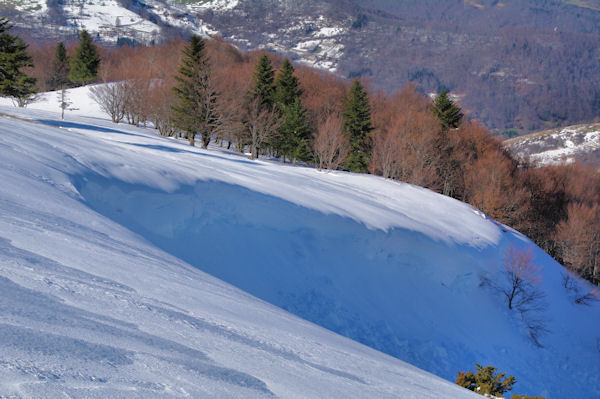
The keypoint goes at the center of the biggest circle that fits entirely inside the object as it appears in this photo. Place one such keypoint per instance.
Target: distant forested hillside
(516, 64)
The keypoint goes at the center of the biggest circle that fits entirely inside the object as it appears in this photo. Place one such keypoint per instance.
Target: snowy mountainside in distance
(505, 59)
(564, 145)
(102, 221)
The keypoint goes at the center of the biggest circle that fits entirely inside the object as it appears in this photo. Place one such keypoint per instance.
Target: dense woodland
(259, 103)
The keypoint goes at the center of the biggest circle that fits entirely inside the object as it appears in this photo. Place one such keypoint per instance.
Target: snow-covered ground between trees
(109, 235)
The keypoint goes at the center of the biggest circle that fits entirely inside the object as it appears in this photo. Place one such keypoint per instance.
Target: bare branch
(331, 145)
(111, 98)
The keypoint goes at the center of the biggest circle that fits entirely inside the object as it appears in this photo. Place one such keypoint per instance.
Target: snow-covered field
(106, 232)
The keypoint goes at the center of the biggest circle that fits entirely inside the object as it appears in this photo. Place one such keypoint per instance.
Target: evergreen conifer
(264, 86)
(287, 88)
(294, 135)
(85, 61)
(295, 132)
(196, 110)
(447, 111)
(59, 75)
(14, 82)
(357, 127)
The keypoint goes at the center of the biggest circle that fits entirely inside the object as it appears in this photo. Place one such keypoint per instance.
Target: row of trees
(258, 103)
(270, 117)
(16, 80)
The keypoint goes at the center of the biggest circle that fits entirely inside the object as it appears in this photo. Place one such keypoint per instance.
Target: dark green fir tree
(287, 88)
(358, 127)
(196, 109)
(59, 74)
(447, 111)
(293, 140)
(264, 83)
(295, 132)
(14, 83)
(85, 62)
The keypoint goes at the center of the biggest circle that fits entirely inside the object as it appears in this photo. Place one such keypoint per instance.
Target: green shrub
(486, 381)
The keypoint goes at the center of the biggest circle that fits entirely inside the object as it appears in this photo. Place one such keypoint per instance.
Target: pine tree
(293, 139)
(357, 127)
(287, 88)
(295, 132)
(196, 110)
(14, 82)
(446, 110)
(59, 75)
(264, 86)
(85, 61)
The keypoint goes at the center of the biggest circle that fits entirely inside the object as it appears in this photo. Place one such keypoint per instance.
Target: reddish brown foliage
(578, 240)
(331, 145)
(557, 206)
(404, 143)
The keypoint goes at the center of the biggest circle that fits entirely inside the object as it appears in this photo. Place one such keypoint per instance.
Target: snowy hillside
(315, 40)
(110, 20)
(100, 222)
(566, 145)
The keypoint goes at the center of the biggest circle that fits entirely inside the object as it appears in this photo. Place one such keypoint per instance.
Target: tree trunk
(192, 141)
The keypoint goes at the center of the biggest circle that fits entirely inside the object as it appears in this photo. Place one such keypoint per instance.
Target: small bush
(485, 381)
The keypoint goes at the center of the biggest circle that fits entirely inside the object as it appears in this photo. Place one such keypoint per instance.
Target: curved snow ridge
(392, 265)
(90, 309)
(373, 201)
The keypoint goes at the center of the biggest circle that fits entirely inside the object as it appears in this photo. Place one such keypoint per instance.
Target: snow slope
(557, 146)
(101, 221)
(89, 309)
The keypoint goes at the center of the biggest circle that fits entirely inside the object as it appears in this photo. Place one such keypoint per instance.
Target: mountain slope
(565, 145)
(393, 266)
(89, 309)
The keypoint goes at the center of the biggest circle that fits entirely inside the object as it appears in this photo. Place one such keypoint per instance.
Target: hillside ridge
(393, 266)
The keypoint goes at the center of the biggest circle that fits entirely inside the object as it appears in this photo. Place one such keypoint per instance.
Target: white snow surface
(107, 232)
(216, 5)
(107, 17)
(109, 20)
(559, 146)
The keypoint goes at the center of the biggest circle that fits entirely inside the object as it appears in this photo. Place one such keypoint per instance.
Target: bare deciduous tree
(518, 283)
(578, 289)
(261, 124)
(331, 145)
(404, 141)
(578, 240)
(160, 99)
(111, 99)
(522, 275)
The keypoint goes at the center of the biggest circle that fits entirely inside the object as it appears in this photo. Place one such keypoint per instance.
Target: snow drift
(393, 266)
